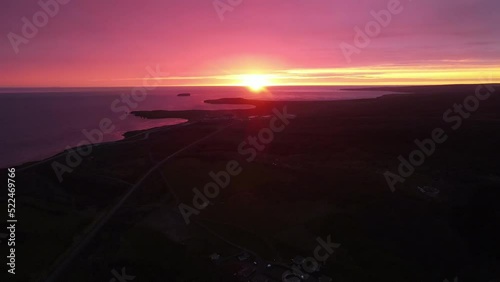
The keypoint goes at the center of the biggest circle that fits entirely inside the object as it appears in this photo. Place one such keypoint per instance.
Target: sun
(255, 82)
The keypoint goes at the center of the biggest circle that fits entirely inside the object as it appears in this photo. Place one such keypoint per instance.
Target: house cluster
(246, 268)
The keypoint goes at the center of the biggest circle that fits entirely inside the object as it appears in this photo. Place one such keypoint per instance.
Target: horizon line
(268, 86)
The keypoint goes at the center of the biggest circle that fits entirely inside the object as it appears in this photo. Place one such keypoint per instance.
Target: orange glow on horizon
(255, 81)
(455, 73)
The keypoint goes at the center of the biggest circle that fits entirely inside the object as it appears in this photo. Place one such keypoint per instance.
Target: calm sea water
(39, 123)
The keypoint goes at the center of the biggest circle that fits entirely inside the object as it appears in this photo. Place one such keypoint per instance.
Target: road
(65, 259)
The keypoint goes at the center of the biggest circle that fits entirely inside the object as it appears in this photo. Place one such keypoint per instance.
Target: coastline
(190, 116)
(260, 108)
(127, 136)
(324, 172)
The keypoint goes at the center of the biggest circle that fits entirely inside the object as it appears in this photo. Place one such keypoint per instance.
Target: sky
(223, 42)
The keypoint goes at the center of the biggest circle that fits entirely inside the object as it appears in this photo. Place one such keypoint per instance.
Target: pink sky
(108, 42)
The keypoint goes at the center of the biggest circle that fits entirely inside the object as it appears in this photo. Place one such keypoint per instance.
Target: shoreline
(260, 107)
(324, 170)
(191, 116)
(126, 138)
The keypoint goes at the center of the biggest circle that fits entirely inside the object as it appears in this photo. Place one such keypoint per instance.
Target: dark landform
(323, 175)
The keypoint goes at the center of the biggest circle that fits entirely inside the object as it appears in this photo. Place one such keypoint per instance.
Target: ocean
(39, 123)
